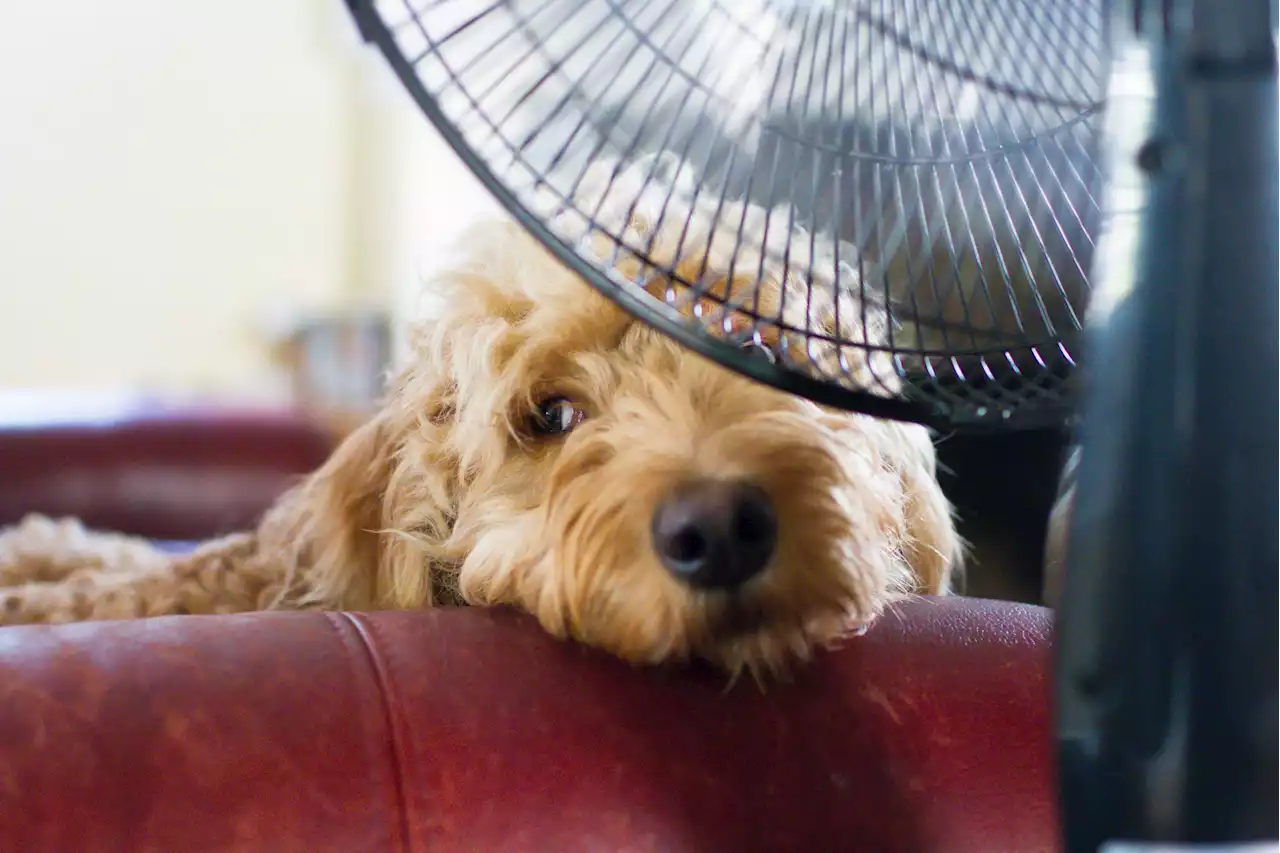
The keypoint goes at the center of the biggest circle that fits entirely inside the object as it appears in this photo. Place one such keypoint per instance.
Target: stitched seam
(382, 678)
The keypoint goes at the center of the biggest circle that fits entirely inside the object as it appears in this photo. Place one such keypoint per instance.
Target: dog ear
(358, 529)
(934, 548)
(931, 544)
(328, 524)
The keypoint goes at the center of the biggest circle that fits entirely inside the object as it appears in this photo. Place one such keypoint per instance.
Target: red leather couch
(179, 473)
(470, 730)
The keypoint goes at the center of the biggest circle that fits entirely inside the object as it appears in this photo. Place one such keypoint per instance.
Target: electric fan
(879, 125)
(954, 151)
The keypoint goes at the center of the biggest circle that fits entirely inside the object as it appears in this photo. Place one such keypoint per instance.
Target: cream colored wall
(426, 196)
(171, 174)
(436, 199)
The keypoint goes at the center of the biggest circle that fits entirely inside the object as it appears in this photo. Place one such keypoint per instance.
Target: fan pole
(1167, 638)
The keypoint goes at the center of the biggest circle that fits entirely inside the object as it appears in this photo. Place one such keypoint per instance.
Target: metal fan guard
(950, 146)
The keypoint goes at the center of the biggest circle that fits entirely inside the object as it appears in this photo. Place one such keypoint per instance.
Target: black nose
(715, 534)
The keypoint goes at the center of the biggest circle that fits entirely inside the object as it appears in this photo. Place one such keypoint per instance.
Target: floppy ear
(328, 525)
(931, 545)
(359, 531)
(934, 549)
(929, 541)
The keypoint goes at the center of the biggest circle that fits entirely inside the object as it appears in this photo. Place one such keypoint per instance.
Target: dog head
(543, 449)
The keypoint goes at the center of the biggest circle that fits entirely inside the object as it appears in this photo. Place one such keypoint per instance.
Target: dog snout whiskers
(715, 534)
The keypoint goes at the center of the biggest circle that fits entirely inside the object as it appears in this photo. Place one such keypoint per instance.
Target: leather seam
(382, 678)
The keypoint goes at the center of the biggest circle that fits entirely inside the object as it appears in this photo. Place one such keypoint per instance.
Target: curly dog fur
(521, 453)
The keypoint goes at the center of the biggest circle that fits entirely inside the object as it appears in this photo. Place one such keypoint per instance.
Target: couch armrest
(460, 730)
(165, 474)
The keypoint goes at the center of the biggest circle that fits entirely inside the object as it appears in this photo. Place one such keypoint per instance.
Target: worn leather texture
(471, 730)
(185, 474)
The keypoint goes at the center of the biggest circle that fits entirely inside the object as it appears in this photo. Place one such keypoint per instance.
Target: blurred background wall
(187, 188)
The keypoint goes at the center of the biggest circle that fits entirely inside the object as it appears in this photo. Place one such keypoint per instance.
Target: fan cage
(971, 233)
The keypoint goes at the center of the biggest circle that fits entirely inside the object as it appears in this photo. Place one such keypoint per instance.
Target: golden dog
(544, 450)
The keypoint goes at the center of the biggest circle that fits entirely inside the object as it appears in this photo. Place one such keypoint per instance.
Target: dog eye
(556, 416)
(759, 349)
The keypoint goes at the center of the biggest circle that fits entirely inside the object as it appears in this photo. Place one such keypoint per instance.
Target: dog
(543, 449)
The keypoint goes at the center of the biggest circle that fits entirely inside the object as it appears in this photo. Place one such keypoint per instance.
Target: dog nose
(715, 534)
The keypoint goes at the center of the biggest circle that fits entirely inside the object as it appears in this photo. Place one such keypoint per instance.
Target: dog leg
(224, 576)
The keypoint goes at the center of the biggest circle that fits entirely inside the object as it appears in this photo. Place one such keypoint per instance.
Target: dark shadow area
(1003, 486)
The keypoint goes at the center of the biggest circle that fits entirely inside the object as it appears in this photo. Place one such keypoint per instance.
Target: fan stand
(1167, 680)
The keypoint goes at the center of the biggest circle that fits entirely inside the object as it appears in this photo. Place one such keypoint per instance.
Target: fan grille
(946, 150)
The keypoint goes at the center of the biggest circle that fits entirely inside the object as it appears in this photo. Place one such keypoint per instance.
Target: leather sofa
(471, 730)
(164, 472)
